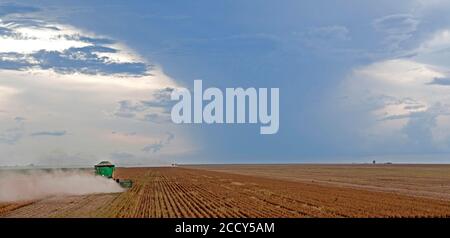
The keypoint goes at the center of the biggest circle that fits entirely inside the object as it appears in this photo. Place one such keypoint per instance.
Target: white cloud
(62, 79)
(402, 72)
(28, 39)
(405, 99)
(437, 42)
(7, 91)
(35, 44)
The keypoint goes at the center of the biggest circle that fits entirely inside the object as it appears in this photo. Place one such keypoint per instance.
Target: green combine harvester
(106, 169)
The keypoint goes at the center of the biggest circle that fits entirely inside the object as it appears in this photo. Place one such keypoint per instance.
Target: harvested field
(7, 207)
(181, 192)
(188, 192)
(423, 180)
(68, 206)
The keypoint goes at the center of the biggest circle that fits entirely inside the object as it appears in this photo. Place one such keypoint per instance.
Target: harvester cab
(107, 169)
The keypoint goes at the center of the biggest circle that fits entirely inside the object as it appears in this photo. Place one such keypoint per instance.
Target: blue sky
(83, 81)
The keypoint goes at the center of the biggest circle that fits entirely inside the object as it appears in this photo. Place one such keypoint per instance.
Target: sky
(85, 81)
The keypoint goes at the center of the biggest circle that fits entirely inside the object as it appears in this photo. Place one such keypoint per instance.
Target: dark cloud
(375, 102)
(124, 133)
(12, 135)
(73, 60)
(28, 22)
(157, 146)
(397, 24)
(157, 118)
(420, 126)
(124, 114)
(85, 60)
(5, 31)
(92, 40)
(13, 61)
(49, 133)
(414, 107)
(170, 137)
(19, 119)
(419, 129)
(440, 81)
(127, 109)
(411, 106)
(397, 28)
(160, 100)
(396, 117)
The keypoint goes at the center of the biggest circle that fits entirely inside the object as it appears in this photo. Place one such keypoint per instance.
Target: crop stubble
(181, 192)
(186, 192)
